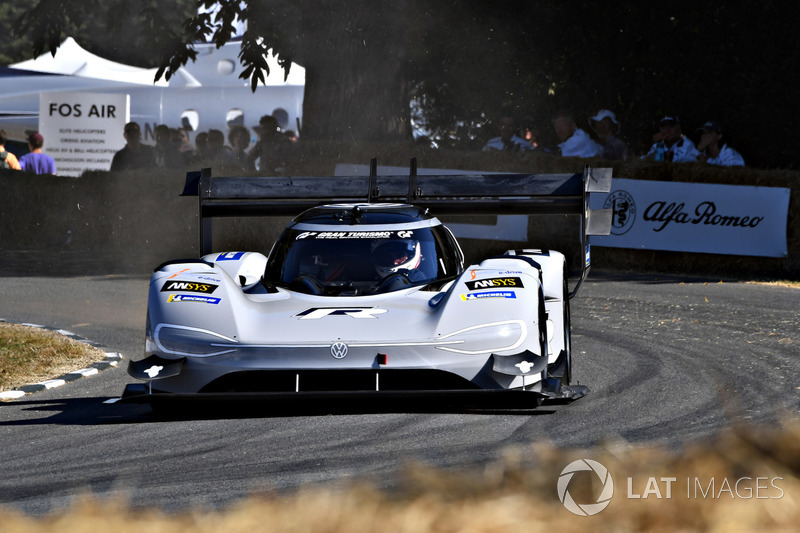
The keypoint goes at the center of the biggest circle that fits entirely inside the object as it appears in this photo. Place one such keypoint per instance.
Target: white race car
(366, 298)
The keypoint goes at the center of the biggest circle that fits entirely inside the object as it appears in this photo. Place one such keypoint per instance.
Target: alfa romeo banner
(696, 217)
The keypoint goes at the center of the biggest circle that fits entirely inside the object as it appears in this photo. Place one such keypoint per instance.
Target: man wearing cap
(605, 125)
(670, 141)
(265, 155)
(710, 151)
(35, 161)
(574, 141)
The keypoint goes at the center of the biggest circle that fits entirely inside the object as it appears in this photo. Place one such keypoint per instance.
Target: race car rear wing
(529, 194)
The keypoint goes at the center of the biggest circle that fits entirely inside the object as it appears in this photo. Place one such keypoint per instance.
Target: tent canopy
(71, 59)
(213, 67)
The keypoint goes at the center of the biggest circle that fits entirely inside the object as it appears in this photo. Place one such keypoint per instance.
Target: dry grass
(30, 355)
(517, 493)
(779, 283)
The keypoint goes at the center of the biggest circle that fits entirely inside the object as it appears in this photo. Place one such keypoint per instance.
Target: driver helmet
(395, 255)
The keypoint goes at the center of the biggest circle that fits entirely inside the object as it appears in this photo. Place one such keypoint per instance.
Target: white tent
(213, 67)
(73, 60)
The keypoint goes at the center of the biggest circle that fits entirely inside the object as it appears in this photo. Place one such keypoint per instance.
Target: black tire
(562, 368)
(566, 379)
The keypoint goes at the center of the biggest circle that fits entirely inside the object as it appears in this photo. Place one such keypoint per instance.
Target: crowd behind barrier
(130, 221)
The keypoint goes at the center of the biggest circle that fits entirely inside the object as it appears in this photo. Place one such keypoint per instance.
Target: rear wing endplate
(469, 194)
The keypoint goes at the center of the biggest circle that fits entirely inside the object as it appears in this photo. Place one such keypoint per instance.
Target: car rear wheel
(567, 377)
(561, 369)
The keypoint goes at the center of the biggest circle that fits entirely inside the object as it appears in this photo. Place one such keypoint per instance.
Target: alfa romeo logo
(590, 508)
(621, 202)
(338, 350)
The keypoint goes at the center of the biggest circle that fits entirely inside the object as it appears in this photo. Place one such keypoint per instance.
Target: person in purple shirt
(35, 161)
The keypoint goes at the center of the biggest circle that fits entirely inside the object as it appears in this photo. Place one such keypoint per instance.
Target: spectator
(134, 155)
(669, 143)
(200, 146)
(239, 139)
(531, 133)
(508, 141)
(217, 154)
(7, 159)
(605, 125)
(291, 135)
(166, 154)
(264, 155)
(35, 161)
(574, 141)
(710, 151)
(180, 138)
(183, 142)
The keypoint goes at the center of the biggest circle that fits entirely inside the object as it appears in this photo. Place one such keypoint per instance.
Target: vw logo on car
(338, 350)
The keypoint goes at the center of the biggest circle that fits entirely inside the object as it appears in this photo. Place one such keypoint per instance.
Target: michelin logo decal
(193, 298)
(492, 294)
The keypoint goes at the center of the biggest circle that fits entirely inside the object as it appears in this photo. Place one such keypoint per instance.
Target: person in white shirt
(670, 144)
(508, 140)
(605, 125)
(574, 141)
(711, 152)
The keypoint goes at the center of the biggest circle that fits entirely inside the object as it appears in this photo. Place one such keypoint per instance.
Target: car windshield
(362, 262)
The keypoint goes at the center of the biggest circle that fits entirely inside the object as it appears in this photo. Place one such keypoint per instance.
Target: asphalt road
(667, 361)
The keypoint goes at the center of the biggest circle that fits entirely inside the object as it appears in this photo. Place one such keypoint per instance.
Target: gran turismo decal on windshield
(332, 235)
(353, 312)
(188, 286)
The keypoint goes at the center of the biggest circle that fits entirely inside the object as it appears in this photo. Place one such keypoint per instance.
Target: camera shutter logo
(338, 350)
(591, 508)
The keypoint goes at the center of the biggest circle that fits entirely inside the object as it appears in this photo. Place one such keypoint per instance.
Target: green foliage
(15, 48)
(134, 33)
(468, 61)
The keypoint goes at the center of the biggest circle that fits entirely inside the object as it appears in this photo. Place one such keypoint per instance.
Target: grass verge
(29, 355)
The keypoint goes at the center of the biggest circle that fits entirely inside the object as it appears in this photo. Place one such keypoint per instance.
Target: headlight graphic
(494, 337)
(196, 342)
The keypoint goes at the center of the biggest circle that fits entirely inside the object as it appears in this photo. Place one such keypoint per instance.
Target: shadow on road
(94, 411)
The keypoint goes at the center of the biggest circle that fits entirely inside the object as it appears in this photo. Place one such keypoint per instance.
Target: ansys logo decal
(188, 286)
(493, 283)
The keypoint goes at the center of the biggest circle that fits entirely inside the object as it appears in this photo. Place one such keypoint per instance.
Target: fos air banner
(82, 131)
